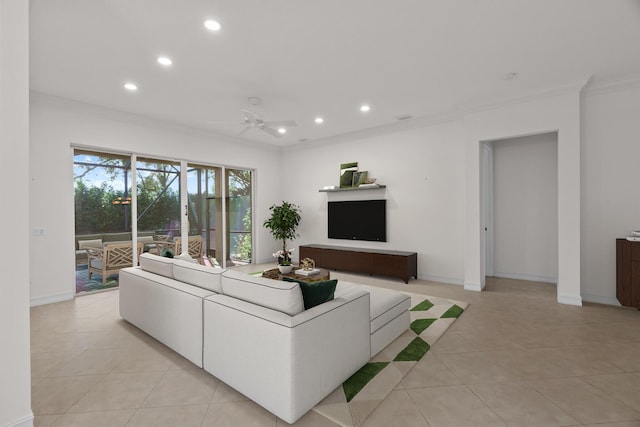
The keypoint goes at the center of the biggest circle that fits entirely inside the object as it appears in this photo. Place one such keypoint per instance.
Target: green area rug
(350, 404)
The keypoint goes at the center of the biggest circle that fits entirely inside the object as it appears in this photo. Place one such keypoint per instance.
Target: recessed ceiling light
(319, 120)
(282, 131)
(364, 108)
(212, 25)
(163, 60)
(131, 86)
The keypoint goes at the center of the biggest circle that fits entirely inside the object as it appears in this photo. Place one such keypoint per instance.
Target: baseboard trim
(51, 299)
(472, 286)
(26, 421)
(528, 277)
(441, 279)
(601, 300)
(570, 300)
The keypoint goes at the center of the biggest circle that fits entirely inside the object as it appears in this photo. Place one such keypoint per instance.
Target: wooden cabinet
(628, 273)
(403, 265)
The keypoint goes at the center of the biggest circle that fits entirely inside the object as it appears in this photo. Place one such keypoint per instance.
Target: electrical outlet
(38, 232)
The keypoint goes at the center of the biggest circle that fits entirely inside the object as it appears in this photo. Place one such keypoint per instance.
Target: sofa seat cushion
(157, 264)
(198, 275)
(386, 305)
(285, 297)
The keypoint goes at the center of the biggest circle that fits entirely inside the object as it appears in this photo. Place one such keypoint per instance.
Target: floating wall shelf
(332, 190)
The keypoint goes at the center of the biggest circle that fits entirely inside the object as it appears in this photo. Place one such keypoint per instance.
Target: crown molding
(533, 95)
(81, 107)
(401, 126)
(612, 86)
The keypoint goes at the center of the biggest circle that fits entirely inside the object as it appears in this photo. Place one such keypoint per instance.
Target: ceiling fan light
(282, 131)
(212, 25)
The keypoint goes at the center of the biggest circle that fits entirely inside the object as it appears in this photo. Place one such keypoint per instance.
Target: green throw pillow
(315, 293)
(166, 253)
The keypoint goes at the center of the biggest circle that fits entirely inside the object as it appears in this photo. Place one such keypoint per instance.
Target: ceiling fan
(253, 120)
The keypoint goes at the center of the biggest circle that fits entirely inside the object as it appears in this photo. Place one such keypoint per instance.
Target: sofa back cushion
(285, 297)
(157, 264)
(198, 275)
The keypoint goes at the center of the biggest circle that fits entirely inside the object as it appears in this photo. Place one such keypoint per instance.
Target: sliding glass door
(218, 208)
(239, 216)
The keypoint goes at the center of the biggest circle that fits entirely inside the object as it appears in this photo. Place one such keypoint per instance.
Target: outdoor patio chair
(196, 247)
(111, 258)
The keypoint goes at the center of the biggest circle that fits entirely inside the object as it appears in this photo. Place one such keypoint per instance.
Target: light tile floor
(514, 358)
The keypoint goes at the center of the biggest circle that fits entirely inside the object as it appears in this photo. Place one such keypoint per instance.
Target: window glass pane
(239, 216)
(158, 183)
(102, 192)
(203, 185)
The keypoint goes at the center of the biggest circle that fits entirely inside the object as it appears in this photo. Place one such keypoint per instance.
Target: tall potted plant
(283, 225)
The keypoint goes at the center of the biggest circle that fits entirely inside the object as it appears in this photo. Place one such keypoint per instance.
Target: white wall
(423, 169)
(610, 184)
(559, 111)
(56, 124)
(525, 207)
(15, 374)
(428, 216)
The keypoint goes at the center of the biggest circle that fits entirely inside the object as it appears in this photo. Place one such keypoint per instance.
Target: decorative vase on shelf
(285, 269)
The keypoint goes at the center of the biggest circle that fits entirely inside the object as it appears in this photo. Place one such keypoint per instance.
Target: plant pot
(285, 269)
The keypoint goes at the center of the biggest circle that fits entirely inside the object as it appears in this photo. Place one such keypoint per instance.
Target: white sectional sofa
(255, 335)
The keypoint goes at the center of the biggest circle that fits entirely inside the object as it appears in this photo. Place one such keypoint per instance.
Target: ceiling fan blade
(243, 131)
(271, 131)
(249, 116)
(283, 123)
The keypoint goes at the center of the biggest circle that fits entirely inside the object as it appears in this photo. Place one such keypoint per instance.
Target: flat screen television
(358, 220)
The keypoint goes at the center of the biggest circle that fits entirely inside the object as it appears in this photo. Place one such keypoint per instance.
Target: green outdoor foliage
(284, 222)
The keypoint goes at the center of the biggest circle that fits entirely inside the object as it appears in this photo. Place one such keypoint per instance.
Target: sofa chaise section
(285, 362)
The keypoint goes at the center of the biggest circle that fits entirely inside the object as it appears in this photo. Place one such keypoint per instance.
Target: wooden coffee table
(274, 273)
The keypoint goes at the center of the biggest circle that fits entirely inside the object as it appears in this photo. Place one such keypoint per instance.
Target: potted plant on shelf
(283, 225)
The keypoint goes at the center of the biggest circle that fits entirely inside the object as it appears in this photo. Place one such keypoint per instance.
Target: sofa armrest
(286, 364)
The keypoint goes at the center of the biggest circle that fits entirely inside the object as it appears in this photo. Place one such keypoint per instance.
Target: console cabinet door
(390, 265)
(334, 259)
(314, 253)
(359, 262)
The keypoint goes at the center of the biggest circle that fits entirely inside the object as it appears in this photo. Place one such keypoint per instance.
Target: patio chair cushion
(95, 243)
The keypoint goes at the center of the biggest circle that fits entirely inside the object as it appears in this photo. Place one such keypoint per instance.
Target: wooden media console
(375, 262)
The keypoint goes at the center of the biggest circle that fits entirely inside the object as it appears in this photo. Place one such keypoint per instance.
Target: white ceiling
(325, 57)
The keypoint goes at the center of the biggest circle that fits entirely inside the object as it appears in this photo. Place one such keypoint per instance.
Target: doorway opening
(520, 206)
